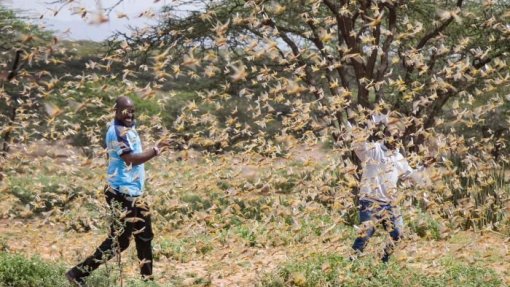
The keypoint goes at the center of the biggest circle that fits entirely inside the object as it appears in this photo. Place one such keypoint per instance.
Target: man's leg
(117, 241)
(392, 223)
(142, 232)
(365, 218)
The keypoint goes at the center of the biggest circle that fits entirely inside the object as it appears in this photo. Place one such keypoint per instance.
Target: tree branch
(16, 66)
(343, 24)
(438, 29)
(392, 25)
(482, 63)
(295, 50)
(320, 46)
(345, 27)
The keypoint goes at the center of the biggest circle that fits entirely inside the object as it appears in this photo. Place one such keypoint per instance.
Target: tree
(326, 57)
(40, 75)
(266, 68)
(8, 44)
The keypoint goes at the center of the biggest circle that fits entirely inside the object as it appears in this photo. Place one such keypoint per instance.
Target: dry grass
(220, 220)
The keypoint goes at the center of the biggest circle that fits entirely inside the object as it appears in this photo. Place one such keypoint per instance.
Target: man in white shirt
(383, 165)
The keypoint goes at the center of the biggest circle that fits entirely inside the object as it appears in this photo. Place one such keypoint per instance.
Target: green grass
(334, 270)
(209, 195)
(195, 202)
(183, 250)
(317, 270)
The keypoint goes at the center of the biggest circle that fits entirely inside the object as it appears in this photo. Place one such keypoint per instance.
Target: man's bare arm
(139, 158)
(146, 155)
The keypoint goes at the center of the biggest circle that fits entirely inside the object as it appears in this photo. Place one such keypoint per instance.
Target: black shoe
(74, 278)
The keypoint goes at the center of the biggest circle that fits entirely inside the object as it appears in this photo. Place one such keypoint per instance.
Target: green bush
(43, 192)
(425, 226)
(18, 271)
(195, 202)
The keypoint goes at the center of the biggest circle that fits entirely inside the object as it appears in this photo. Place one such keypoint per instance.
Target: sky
(75, 27)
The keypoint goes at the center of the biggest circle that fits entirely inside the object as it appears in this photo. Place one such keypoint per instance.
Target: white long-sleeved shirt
(382, 169)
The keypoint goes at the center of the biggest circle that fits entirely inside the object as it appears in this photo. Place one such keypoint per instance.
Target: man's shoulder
(120, 130)
(112, 130)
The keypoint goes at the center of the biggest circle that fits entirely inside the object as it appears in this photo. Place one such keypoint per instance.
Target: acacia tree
(306, 63)
(304, 67)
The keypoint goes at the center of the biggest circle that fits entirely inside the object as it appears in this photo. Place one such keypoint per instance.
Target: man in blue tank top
(125, 177)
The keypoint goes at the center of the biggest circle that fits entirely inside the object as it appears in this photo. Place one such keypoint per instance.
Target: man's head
(125, 111)
(377, 132)
(385, 128)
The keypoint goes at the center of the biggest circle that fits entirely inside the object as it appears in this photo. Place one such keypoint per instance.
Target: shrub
(18, 271)
(195, 202)
(425, 226)
(42, 193)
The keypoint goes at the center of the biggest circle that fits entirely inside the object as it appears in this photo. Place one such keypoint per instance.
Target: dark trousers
(377, 213)
(131, 217)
